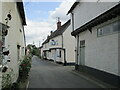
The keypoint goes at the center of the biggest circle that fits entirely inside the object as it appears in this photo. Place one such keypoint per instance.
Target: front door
(82, 52)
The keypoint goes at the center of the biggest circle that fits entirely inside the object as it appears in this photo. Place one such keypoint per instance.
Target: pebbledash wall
(100, 52)
(15, 37)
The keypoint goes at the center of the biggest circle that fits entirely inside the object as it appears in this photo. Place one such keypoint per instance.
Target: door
(54, 55)
(82, 52)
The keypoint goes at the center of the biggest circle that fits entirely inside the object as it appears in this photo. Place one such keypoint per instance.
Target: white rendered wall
(59, 41)
(14, 37)
(86, 11)
(101, 52)
(0, 11)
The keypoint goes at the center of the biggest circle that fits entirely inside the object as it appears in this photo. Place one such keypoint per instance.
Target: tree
(34, 50)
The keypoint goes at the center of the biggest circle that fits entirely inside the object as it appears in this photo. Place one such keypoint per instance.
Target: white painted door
(82, 52)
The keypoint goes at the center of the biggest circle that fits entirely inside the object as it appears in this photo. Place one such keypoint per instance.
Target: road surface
(46, 74)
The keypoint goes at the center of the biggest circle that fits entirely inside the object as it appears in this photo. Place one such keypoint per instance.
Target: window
(59, 53)
(18, 52)
(54, 42)
(82, 43)
(109, 29)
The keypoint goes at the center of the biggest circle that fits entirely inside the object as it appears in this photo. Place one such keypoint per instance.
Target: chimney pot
(58, 23)
(51, 32)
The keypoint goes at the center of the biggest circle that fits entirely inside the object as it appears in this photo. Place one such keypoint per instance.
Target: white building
(14, 41)
(59, 46)
(96, 26)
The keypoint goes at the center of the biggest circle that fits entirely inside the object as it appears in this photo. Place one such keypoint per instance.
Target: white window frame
(101, 31)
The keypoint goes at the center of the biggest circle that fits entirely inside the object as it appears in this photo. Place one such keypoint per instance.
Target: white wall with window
(0, 11)
(101, 47)
(56, 42)
(113, 27)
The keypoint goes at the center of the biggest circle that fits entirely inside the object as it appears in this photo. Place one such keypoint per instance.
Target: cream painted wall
(53, 53)
(0, 27)
(86, 11)
(62, 57)
(0, 11)
(101, 52)
(59, 41)
(69, 45)
(14, 37)
(46, 46)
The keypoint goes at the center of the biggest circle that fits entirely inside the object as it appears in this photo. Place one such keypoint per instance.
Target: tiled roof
(57, 32)
(60, 30)
(46, 41)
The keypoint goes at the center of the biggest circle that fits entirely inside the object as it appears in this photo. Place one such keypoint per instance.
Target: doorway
(82, 52)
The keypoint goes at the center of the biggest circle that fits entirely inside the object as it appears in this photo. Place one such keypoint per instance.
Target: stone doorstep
(93, 79)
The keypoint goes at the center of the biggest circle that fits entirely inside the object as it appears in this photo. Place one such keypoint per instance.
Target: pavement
(46, 74)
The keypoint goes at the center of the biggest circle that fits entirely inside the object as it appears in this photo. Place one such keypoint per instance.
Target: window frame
(103, 33)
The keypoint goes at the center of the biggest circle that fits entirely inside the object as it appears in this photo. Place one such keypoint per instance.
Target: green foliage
(24, 67)
(6, 80)
(34, 50)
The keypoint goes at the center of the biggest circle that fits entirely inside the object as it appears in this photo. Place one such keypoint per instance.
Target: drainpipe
(77, 52)
(62, 40)
(65, 62)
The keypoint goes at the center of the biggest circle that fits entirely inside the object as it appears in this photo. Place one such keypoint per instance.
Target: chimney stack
(51, 32)
(58, 23)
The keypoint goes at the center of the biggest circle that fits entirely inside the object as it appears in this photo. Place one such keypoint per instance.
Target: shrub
(24, 67)
(6, 80)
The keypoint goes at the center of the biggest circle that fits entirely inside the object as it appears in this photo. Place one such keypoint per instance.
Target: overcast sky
(41, 18)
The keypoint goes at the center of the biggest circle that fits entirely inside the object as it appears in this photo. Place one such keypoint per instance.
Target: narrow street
(46, 74)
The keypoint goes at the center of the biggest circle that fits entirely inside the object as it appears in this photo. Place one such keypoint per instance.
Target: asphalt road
(46, 74)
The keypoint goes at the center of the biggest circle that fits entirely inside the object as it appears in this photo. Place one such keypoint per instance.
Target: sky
(41, 18)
